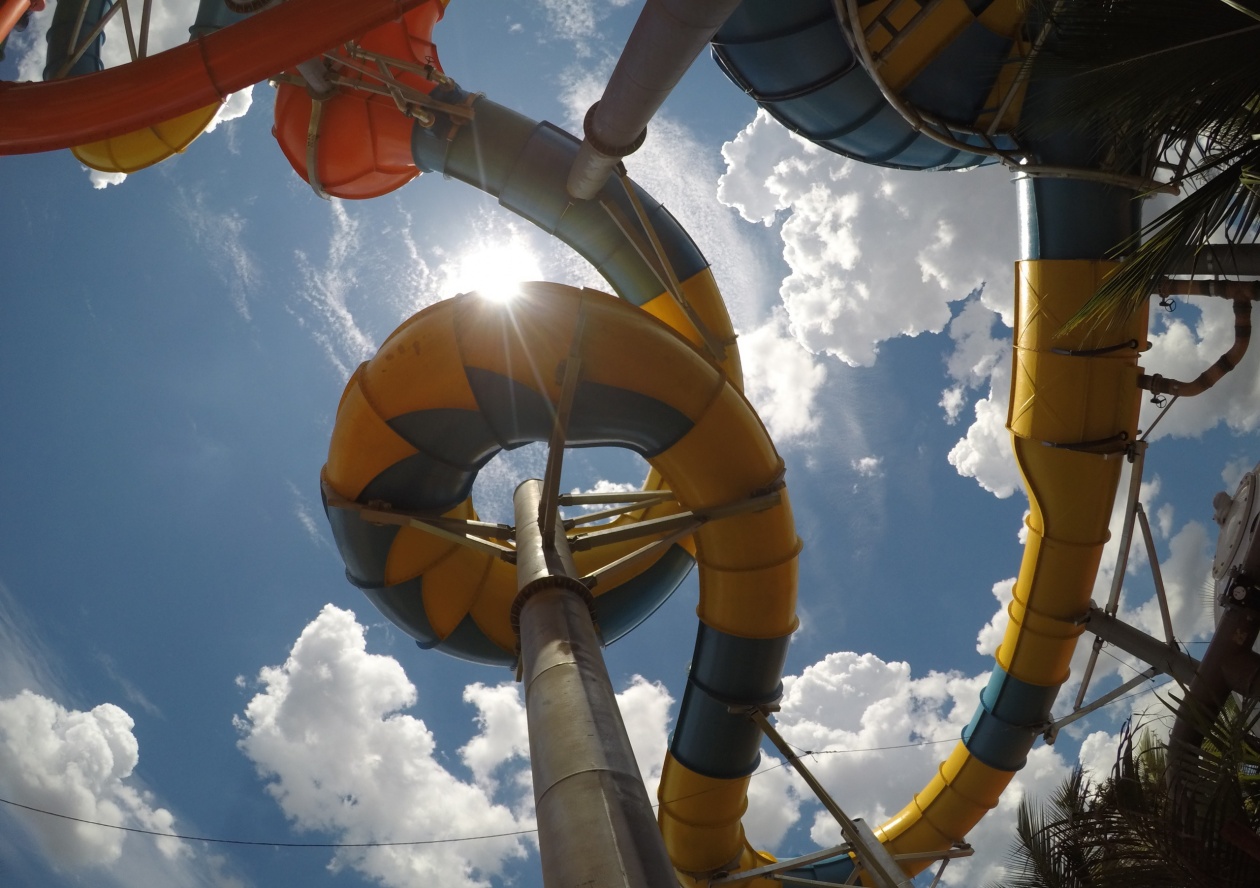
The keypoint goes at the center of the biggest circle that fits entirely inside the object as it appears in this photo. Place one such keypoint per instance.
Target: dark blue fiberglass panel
(526, 165)
(363, 546)
(621, 609)
(65, 16)
(1066, 219)
(736, 668)
(405, 608)
(603, 415)
(213, 15)
(1018, 702)
(468, 642)
(794, 60)
(420, 483)
(956, 84)
(790, 62)
(836, 871)
(461, 438)
(516, 413)
(606, 414)
(836, 109)
(726, 670)
(710, 740)
(536, 189)
(996, 743)
(758, 19)
(1010, 716)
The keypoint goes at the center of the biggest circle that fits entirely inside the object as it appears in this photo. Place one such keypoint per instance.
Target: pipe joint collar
(617, 151)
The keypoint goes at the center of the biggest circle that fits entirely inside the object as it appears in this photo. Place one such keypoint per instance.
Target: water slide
(99, 105)
(412, 450)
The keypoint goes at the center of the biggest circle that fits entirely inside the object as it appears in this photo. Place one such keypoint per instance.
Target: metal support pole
(1160, 654)
(1137, 459)
(595, 821)
(666, 40)
(871, 855)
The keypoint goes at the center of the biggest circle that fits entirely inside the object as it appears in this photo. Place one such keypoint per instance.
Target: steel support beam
(596, 826)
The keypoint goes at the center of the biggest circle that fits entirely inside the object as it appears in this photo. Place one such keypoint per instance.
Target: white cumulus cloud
(328, 733)
(874, 254)
(78, 764)
(782, 380)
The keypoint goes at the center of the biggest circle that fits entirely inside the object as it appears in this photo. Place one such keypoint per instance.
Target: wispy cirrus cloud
(220, 236)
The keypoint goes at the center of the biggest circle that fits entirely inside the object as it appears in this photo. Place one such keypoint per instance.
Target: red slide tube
(63, 113)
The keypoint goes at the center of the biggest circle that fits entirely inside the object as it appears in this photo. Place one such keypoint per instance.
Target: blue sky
(170, 361)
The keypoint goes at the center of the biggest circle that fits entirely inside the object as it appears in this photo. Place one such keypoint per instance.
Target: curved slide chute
(78, 110)
(1074, 405)
(524, 164)
(492, 372)
(665, 382)
(954, 61)
(148, 145)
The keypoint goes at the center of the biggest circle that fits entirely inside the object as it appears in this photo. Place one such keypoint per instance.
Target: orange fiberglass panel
(361, 144)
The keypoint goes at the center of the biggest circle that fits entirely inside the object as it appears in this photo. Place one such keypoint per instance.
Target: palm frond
(1222, 205)
(1147, 79)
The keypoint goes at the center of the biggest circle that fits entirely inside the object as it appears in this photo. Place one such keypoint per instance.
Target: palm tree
(1175, 82)
(1136, 828)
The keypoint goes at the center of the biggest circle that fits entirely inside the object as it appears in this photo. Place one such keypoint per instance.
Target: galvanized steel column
(596, 828)
(666, 39)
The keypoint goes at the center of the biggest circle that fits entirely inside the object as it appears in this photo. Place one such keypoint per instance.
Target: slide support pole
(595, 821)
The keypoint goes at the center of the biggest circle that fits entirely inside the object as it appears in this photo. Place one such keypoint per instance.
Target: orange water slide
(58, 114)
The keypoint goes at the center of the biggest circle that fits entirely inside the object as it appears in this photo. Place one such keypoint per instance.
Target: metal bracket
(870, 853)
(478, 535)
(689, 521)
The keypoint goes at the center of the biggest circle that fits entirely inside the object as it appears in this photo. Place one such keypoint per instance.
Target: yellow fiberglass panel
(700, 817)
(614, 350)
(451, 586)
(362, 446)
(1067, 488)
(922, 41)
(1037, 649)
(492, 607)
(423, 348)
(754, 602)
(665, 308)
(136, 150)
(415, 551)
(725, 456)
(962, 792)
(702, 295)
(526, 339)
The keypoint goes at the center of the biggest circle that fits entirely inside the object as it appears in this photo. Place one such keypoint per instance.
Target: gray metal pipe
(595, 821)
(1160, 654)
(665, 41)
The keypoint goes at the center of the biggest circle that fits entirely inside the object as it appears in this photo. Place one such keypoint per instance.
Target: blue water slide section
(213, 15)
(714, 735)
(61, 35)
(795, 62)
(525, 165)
(1066, 218)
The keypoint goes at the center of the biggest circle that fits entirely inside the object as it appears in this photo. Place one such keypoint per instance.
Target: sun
(496, 269)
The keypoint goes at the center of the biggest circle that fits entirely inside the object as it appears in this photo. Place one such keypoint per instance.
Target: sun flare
(496, 270)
